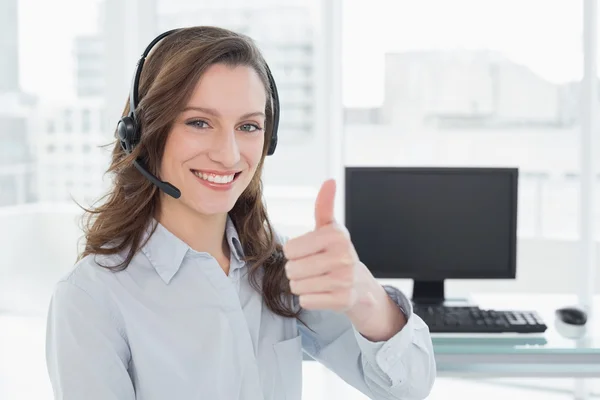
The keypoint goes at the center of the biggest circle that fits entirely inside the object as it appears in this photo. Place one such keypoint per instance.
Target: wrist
(379, 319)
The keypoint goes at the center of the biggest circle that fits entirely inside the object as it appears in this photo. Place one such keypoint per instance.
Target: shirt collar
(166, 252)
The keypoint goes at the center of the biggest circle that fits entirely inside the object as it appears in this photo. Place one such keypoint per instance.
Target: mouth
(224, 178)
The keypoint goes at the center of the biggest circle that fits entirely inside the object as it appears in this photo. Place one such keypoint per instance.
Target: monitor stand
(433, 293)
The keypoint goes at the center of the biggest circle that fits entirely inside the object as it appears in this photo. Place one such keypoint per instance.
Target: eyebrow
(212, 111)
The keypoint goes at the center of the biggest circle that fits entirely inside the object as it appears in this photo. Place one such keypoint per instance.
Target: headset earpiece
(272, 145)
(126, 130)
(275, 94)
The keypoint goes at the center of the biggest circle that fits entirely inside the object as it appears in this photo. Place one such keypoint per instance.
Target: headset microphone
(128, 129)
(164, 186)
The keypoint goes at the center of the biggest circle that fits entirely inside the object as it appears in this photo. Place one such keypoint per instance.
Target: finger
(319, 284)
(339, 301)
(324, 205)
(314, 265)
(314, 242)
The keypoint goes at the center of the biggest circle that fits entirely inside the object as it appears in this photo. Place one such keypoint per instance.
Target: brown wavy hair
(168, 79)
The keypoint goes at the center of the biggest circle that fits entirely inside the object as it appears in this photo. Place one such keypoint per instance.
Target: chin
(210, 203)
(213, 209)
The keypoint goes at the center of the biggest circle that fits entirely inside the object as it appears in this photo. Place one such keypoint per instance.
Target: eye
(250, 128)
(197, 123)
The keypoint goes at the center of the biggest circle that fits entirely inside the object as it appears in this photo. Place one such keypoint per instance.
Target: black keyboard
(445, 319)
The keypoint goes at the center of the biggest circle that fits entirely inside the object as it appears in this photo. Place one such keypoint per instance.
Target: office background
(372, 83)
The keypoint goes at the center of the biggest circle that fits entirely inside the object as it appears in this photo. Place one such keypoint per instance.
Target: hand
(323, 266)
(325, 272)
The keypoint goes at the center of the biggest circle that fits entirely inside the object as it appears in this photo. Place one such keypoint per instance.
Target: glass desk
(540, 355)
(547, 355)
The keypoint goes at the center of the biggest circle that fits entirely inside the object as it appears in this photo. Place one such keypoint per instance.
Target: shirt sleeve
(86, 353)
(402, 368)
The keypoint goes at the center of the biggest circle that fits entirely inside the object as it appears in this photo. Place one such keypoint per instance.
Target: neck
(203, 233)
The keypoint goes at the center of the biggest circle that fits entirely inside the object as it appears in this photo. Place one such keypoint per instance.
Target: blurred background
(397, 82)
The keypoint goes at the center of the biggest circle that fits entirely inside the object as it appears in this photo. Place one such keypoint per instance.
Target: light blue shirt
(174, 326)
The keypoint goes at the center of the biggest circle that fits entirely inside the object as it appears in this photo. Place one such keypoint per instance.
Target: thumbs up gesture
(323, 266)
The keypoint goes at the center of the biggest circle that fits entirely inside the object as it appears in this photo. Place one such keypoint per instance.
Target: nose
(225, 149)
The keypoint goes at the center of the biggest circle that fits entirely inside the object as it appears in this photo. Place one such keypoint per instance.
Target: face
(216, 143)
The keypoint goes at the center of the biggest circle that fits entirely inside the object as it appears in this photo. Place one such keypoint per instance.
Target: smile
(216, 178)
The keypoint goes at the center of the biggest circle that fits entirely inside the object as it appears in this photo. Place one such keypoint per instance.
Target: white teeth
(214, 178)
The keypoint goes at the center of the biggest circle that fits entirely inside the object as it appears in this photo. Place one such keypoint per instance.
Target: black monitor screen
(433, 223)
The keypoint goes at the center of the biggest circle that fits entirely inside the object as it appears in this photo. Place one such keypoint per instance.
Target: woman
(183, 290)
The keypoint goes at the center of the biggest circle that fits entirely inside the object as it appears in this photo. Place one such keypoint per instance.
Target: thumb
(324, 204)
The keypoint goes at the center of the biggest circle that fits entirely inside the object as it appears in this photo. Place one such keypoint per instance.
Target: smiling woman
(202, 112)
(184, 290)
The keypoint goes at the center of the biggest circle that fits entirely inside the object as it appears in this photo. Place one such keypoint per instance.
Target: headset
(128, 129)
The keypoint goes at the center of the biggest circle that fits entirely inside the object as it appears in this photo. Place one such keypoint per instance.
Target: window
(50, 126)
(68, 120)
(104, 121)
(434, 93)
(86, 120)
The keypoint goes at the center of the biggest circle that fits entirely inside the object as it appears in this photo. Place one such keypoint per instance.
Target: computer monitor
(432, 224)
